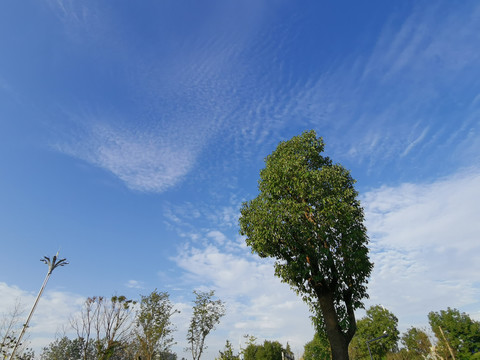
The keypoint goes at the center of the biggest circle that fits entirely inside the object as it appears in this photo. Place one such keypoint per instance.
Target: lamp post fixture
(52, 264)
(377, 338)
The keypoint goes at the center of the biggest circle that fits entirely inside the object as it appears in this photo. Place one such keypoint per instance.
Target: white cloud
(134, 284)
(425, 246)
(217, 236)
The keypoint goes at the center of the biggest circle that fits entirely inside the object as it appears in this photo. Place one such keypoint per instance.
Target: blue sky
(131, 132)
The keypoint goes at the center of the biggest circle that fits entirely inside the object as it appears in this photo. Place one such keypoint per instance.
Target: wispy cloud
(223, 92)
(183, 94)
(402, 96)
(86, 22)
(145, 161)
(414, 142)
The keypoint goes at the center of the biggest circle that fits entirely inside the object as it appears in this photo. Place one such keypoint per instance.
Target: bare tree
(10, 327)
(104, 323)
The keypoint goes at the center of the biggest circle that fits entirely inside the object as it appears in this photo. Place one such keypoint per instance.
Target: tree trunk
(336, 337)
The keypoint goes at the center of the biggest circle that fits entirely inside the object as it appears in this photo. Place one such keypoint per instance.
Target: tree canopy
(456, 333)
(307, 216)
(377, 322)
(227, 353)
(270, 350)
(417, 343)
(64, 348)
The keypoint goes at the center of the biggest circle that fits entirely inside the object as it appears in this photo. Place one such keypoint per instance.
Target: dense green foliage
(318, 348)
(456, 333)
(270, 350)
(307, 216)
(65, 348)
(206, 314)
(416, 343)
(378, 321)
(457, 336)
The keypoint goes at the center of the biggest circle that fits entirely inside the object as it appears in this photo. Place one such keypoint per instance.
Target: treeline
(123, 329)
(455, 336)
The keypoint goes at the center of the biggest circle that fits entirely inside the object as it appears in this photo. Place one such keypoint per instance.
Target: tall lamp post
(377, 338)
(52, 264)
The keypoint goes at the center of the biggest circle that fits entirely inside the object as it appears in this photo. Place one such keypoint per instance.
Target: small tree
(271, 350)
(250, 347)
(154, 327)
(307, 216)
(227, 353)
(206, 314)
(250, 352)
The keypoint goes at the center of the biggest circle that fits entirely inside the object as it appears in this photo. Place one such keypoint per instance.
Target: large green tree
(377, 322)
(206, 314)
(307, 216)
(456, 333)
(154, 327)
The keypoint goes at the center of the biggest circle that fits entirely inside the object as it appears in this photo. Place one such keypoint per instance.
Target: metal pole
(51, 266)
(371, 358)
(446, 342)
(369, 341)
